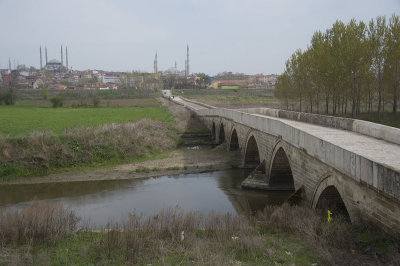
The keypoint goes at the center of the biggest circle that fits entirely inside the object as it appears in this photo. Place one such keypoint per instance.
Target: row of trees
(348, 69)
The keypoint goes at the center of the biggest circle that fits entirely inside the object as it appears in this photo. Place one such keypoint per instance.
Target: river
(97, 202)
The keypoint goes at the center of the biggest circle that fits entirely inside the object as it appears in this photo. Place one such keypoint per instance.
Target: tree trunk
(353, 102)
(300, 102)
(369, 105)
(327, 103)
(395, 85)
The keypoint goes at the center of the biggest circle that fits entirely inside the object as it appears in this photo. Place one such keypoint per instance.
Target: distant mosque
(54, 64)
(174, 70)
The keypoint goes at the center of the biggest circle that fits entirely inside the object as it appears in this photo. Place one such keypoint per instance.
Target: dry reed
(84, 145)
(204, 239)
(38, 221)
(144, 237)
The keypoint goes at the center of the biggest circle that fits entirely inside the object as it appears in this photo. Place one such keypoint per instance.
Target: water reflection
(98, 201)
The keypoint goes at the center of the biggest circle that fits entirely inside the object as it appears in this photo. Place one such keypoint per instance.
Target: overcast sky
(250, 36)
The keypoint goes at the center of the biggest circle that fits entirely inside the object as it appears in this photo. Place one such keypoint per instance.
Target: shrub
(142, 170)
(8, 97)
(57, 101)
(95, 100)
(45, 92)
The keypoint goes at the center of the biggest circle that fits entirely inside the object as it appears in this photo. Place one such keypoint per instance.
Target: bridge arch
(280, 172)
(234, 141)
(221, 135)
(328, 196)
(252, 154)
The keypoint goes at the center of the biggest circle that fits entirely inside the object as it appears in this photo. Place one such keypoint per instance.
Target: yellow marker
(329, 216)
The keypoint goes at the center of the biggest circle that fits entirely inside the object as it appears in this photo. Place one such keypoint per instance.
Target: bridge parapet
(385, 178)
(374, 130)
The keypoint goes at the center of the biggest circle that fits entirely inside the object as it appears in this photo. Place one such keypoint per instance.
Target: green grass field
(19, 120)
(230, 87)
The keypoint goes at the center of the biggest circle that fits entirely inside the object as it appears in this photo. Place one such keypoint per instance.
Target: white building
(114, 79)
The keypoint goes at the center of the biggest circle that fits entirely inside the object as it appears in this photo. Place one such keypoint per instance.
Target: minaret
(66, 56)
(155, 64)
(187, 61)
(9, 64)
(176, 66)
(45, 51)
(41, 64)
(185, 68)
(62, 61)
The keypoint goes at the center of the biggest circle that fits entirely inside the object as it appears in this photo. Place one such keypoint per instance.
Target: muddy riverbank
(180, 161)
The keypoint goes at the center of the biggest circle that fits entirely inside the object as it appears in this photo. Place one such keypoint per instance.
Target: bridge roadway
(377, 150)
(343, 161)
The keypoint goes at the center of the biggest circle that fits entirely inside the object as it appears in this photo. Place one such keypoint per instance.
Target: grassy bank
(46, 234)
(22, 119)
(43, 152)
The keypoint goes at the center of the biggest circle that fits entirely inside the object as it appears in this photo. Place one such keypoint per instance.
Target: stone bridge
(348, 166)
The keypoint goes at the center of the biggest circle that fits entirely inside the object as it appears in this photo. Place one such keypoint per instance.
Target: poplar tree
(392, 62)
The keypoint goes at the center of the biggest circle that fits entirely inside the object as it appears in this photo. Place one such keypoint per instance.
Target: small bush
(142, 170)
(7, 97)
(173, 168)
(45, 92)
(57, 101)
(95, 100)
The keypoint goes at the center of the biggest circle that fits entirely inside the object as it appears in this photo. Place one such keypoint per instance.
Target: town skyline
(252, 37)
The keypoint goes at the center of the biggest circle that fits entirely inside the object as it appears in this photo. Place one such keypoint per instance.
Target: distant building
(216, 84)
(54, 65)
(36, 85)
(112, 86)
(272, 80)
(7, 79)
(57, 86)
(132, 81)
(175, 71)
(114, 79)
(21, 67)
